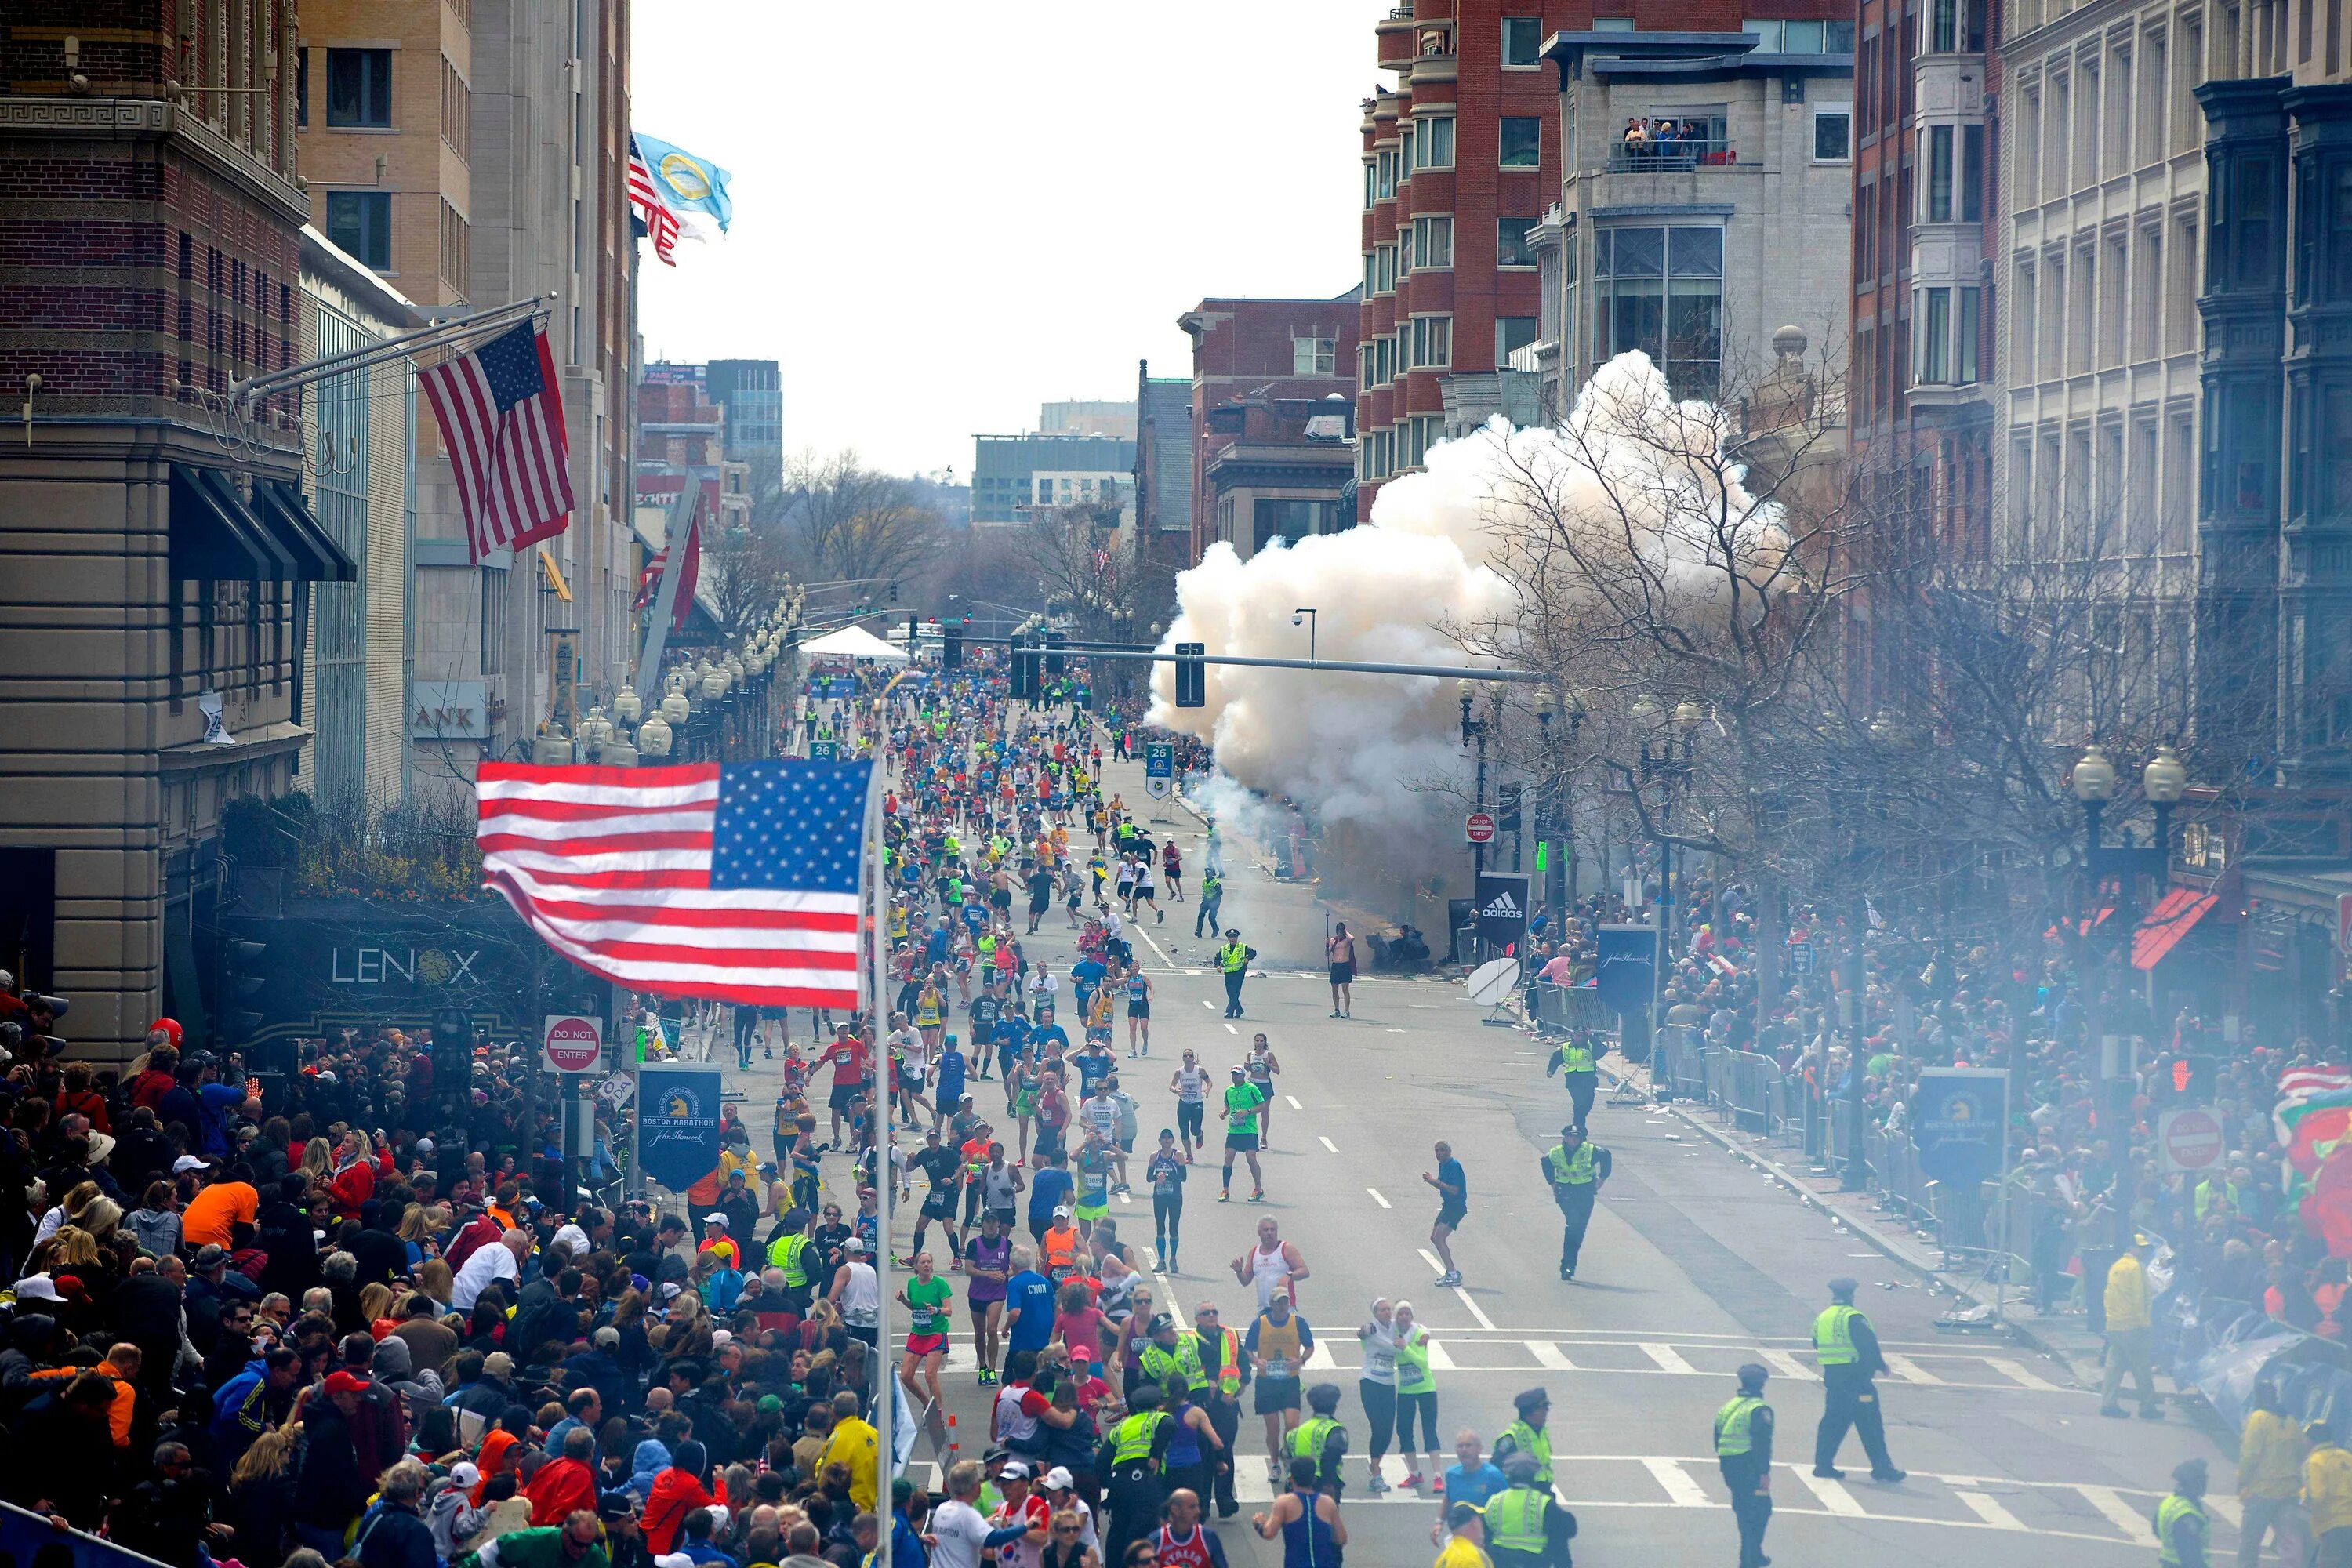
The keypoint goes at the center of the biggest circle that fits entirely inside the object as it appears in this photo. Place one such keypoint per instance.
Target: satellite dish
(1494, 980)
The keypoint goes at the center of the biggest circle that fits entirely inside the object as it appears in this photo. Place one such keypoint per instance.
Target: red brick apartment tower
(1460, 159)
(1261, 349)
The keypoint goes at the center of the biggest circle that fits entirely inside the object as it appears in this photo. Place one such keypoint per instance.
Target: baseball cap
(185, 1163)
(717, 1219)
(344, 1383)
(1062, 1212)
(1058, 1479)
(37, 1287)
(855, 1244)
(1014, 1470)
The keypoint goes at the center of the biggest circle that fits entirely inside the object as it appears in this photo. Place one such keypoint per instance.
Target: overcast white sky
(946, 214)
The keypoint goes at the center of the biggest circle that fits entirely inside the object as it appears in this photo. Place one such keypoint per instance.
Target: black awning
(290, 516)
(215, 535)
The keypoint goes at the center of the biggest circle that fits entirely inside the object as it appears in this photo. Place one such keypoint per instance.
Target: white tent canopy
(852, 642)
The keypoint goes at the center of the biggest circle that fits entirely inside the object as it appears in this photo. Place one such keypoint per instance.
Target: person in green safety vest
(791, 1250)
(1526, 1435)
(1847, 1348)
(1232, 962)
(1579, 1064)
(1575, 1168)
(1132, 1457)
(1321, 1441)
(1526, 1525)
(2181, 1519)
(1159, 1356)
(1743, 1450)
(1213, 898)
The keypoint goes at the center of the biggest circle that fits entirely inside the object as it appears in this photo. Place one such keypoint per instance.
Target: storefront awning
(2082, 927)
(215, 535)
(320, 559)
(2175, 914)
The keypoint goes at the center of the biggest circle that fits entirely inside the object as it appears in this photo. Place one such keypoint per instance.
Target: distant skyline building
(1113, 419)
(1012, 476)
(1257, 349)
(1163, 464)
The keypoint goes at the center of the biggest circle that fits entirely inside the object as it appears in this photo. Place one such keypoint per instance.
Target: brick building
(1163, 464)
(150, 577)
(683, 437)
(1258, 348)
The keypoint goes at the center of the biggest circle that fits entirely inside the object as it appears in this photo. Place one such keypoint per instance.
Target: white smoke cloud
(1354, 747)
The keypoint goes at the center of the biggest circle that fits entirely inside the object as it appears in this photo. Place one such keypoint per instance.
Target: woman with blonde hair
(261, 1495)
(101, 1218)
(68, 1209)
(318, 1165)
(376, 1308)
(437, 1279)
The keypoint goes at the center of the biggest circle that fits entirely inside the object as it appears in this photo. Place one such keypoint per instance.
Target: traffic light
(951, 648)
(1191, 675)
(1025, 670)
(1507, 807)
(1055, 662)
(893, 593)
(914, 633)
(241, 982)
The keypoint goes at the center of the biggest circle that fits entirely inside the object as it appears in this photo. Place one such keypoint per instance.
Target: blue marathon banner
(1628, 967)
(1959, 1121)
(1159, 767)
(677, 1139)
(30, 1540)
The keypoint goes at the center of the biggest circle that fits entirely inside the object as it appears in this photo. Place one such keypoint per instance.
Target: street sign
(1159, 767)
(573, 1042)
(2191, 1142)
(823, 751)
(1801, 958)
(1478, 827)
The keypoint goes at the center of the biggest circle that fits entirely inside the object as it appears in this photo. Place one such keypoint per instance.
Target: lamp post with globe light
(2122, 865)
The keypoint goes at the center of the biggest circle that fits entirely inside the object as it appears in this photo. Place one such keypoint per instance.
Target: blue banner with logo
(677, 1127)
(1628, 967)
(27, 1539)
(1958, 1122)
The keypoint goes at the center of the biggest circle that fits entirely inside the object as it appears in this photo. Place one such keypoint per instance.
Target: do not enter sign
(2191, 1140)
(574, 1043)
(1478, 827)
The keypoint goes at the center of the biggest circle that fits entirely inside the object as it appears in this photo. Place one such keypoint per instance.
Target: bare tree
(1098, 576)
(843, 521)
(743, 573)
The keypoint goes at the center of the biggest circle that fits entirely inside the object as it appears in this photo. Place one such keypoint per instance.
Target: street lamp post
(2162, 781)
(1557, 843)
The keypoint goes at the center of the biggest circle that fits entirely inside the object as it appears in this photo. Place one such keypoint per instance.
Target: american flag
(501, 419)
(739, 881)
(644, 200)
(689, 575)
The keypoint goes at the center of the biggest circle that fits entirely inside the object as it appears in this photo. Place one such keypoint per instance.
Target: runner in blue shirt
(1049, 1189)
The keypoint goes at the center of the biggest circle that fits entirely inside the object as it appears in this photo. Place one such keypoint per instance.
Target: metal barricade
(1678, 1065)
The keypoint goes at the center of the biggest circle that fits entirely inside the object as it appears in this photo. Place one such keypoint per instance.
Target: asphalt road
(1694, 1265)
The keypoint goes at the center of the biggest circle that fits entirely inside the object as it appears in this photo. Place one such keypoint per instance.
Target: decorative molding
(148, 119)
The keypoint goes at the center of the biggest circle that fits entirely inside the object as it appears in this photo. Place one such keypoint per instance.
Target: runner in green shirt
(1243, 1101)
(929, 1312)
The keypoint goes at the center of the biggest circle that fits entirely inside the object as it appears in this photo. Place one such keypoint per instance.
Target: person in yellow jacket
(2270, 1451)
(1465, 1531)
(2131, 1340)
(2327, 1495)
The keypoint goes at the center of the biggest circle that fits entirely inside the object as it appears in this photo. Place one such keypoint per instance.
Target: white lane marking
(1193, 971)
(1668, 1358)
(1231, 1030)
(1990, 1511)
(2119, 1513)
(1395, 1031)
(1483, 1320)
(1124, 1199)
(1327, 1143)
(2017, 1371)
(1150, 943)
(1909, 1370)
(1168, 1294)
(1438, 1359)
(1294, 1102)
(1378, 1199)
(2227, 1508)
(1319, 1359)
(1788, 1365)
(1680, 1490)
(1549, 1356)
(1212, 1006)
(1833, 1496)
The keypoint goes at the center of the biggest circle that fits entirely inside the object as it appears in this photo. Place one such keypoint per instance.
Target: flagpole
(680, 523)
(886, 1450)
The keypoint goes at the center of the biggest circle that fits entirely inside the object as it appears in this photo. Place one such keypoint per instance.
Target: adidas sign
(1501, 907)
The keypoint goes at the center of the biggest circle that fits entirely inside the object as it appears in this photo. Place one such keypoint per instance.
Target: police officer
(1134, 1459)
(1525, 1526)
(1321, 1439)
(1213, 1361)
(2181, 1527)
(1580, 1069)
(1743, 1448)
(1160, 1358)
(1847, 1349)
(1234, 962)
(1527, 1435)
(790, 1250)
(1213, 898)
(1575, 1167)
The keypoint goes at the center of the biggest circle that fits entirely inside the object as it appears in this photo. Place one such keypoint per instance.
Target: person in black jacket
(382, 1256)
(169, 1517)
(62, 1460)
(333, 1489)
(394, 1534)
(285, 1233)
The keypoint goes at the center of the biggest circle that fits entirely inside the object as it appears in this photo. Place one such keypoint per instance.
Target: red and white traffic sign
(572, 1043)
(1478, 827)
(2191, 1140)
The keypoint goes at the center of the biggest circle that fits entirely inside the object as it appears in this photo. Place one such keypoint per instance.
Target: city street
(1695, 1264)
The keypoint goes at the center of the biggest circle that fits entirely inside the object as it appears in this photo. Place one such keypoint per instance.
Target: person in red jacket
(676, 1492)
(357, 1166)
(566, 1484)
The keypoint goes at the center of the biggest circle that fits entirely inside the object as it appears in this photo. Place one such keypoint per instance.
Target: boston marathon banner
(677, 1135)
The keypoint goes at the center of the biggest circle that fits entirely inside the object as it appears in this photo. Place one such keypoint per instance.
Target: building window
(1833, 132)
(1521, 141)
(1512, 333)
(359, 222)
(1314, 357)
(1773, 37)
(359, 87)
(1421, 432)
(1432, 342)
(1936, 338)
(455, 254)
(456, 111)
(1435, 144)
(302, 89)
(1956, 26)
(1511, 247)
(1972, 173)
(1385, 162)
(1522, 42)
(1965, 328)
(1388, 270)
(1660, 292)
(1939, 175)
(1432, 242)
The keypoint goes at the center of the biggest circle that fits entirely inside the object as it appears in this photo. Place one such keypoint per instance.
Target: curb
(1893, 1251)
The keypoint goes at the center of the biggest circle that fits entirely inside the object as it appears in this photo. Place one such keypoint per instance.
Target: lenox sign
(401, 966)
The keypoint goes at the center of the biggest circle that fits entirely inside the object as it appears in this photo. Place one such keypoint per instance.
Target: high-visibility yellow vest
(1158, 1362)
(1570, 1170)
(1732, 1436)
(1233, 957)
(1132, 1438)
(1229, 1368)
(1534, 1443)
(2169, 1512)
(1833, 1335)
(1576, 1059)
(1413, 1363)
(785, 1252)
(1514, 1520)
(1306, 1443)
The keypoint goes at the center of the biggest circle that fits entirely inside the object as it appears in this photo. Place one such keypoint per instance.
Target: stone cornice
(148, 119)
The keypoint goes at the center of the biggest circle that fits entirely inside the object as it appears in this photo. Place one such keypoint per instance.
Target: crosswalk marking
(1438, 1359)
(2227, 1510)
(1294, 1102)
(1667, 1357)
(1549, 1356)
(2119, 1513)
(1327, 1143)
(1788, 1365)
(2025, 1378)
(1909, 1370)
(1832, 1493)
(1990, 1511)
(1378, 1199)
(1678, 1487)
(1319, 1359)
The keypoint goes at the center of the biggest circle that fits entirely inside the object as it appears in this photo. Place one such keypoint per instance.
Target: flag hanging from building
(661, 224)
(501, 415)
(689, 575)
(739, 881)
(690, 188)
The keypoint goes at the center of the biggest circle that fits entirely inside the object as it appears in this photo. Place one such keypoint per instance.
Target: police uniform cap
(1530, 1399)
(1842, 1286)
(1752, 1376)
(1520, 1465)
(1160, 1323)
(1147, 1396)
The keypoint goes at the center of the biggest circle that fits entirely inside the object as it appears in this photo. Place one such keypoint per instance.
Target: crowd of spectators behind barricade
(2084, 1175)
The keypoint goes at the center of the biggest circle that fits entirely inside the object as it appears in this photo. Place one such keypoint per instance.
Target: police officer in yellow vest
(1133, 1457)
(1578, 1066)
(1216, 1368)
(1525, 1526)
(1847, 1348)
(790, 1250)
(2180, 1531)
(1743, 1450)
(1575, 1167)
(1160, 1358)
(1321, 1439)
(1232, 962)
(1527, 1435)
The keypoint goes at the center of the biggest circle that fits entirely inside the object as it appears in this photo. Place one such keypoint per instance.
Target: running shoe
(1258, 1197)
(1227, 1197)
(1412, 1482)
(1376, 1484)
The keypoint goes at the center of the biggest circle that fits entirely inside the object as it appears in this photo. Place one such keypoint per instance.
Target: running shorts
(1139, 1010)
(1452, 1216)
(1343, 975)
(926, 1344)
(1241, 1144)
(1273, 1393)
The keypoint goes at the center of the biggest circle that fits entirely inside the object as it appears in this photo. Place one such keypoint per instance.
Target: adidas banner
(1502, 908)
